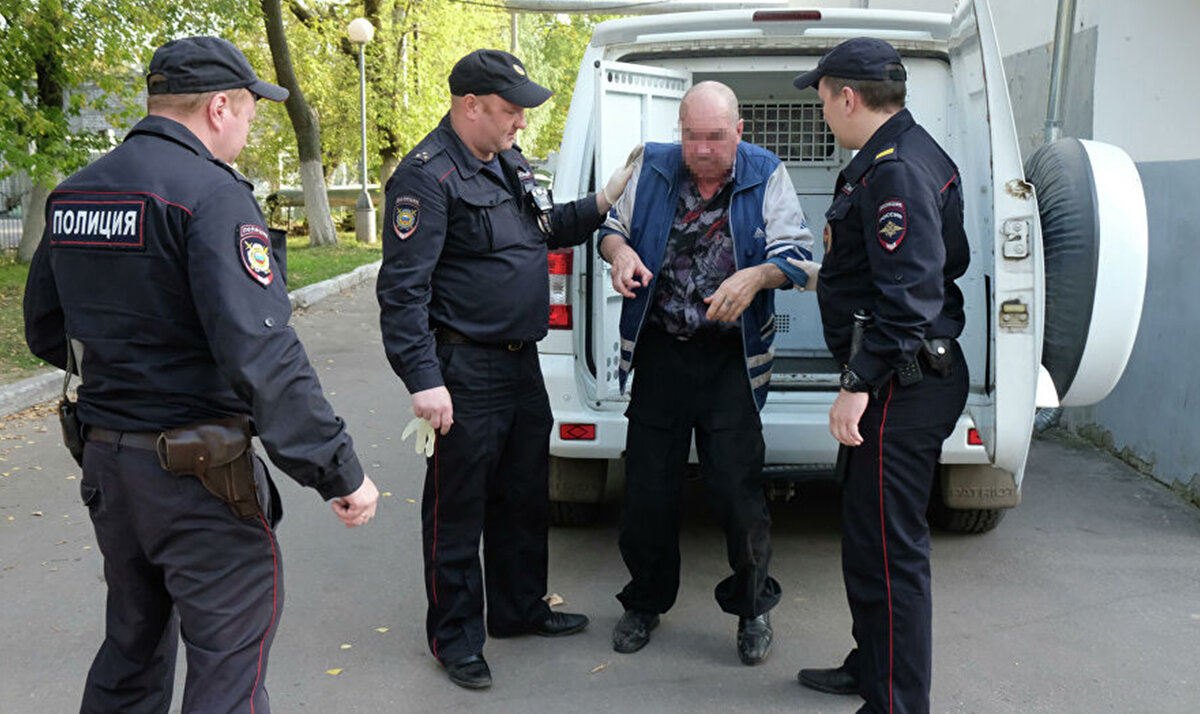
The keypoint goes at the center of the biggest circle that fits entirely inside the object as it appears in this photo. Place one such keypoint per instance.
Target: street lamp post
(360, 32)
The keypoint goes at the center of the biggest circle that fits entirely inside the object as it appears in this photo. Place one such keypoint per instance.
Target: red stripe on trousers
(433, 555)
(883, 535)
(274, 606)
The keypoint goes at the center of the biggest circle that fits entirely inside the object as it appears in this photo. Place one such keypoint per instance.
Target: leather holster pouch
(218, 453)
(938, 355)
(72, 429)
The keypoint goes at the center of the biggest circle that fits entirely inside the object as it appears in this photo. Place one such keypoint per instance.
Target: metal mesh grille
(782, 322)
(795, 131)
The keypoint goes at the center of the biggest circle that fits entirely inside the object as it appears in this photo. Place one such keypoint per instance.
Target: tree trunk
(308, 132)
(33, 212)
(390, 162)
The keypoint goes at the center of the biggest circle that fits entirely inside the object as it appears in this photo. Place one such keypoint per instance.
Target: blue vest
(650, 227)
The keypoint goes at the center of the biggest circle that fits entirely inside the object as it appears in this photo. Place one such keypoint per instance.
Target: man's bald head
(709, 97)
(709, 130)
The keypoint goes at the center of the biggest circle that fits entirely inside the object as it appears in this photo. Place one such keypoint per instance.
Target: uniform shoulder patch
(406, 214)
(254, 245)
(892, 224)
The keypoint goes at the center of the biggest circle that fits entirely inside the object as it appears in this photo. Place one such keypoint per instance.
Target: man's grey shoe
(633, 631)
(754, 636)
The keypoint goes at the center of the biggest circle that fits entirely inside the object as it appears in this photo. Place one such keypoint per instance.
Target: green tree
(58, 57)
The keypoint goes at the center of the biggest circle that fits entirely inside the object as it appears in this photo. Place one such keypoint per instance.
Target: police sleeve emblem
(254, 245)
(892, 224)
(405, 216)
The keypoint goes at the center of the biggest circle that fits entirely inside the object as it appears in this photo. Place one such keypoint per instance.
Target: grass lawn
(306, 265)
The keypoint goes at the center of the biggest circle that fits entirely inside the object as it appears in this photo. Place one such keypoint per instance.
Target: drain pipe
(1063, 31)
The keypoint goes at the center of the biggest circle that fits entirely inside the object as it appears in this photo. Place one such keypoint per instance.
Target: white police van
(1056, 278)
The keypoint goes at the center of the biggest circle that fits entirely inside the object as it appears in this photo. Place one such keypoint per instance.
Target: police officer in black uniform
(156, 264)
(464, 298)
(894, 245)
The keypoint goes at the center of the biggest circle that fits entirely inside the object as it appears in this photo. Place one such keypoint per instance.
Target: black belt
(137, 439)
(450, 336)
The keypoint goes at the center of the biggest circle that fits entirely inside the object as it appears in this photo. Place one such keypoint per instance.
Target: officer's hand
(426, 436)
(734, 295)
(811, 269)
(434, 404)
(628, 270)
(617, 182)
(845, 414)
(359, 507)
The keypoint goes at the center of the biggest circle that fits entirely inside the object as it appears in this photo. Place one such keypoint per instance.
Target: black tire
(565, 513)
(960, 520)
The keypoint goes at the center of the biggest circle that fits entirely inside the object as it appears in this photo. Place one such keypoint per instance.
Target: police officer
(463, 297)
(894, 245)
(156, 263)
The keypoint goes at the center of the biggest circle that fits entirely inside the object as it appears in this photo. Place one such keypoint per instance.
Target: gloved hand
(426, 436)
(810, 269)
(616, 183)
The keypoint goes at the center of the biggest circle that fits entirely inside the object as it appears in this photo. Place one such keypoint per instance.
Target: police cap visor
(496, 72)
(857, 58)
(194, 65)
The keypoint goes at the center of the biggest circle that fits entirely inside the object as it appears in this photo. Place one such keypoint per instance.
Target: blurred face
(710, 137)
(498, 124)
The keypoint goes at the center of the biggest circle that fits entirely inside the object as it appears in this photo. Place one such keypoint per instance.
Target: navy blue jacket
(462, 248)
(156, 258)
(895, 244)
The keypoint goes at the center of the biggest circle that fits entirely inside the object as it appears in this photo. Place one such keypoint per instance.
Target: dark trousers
(488, 476)
(885, 538)
(177, 561)
(681, 386)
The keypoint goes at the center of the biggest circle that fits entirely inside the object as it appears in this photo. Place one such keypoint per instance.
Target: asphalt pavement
(1085, 599)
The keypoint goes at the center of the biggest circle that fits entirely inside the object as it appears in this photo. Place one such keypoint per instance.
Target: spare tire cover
(1066, 197)
(1094, 243)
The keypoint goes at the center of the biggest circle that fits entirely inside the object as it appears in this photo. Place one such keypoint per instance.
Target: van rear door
(634, 104)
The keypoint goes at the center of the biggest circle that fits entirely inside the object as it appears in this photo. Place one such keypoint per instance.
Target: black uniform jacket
(894, 245)
(156, 258)
(462, 248)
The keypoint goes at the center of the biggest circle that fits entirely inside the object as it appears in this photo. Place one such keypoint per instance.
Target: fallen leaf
(553, 599)
(381, 629)
(70, 477)
(334, 672)
(346, 646)
(36, 513)
(87, 547)
(386, 494)
(12, 518)
(598, 668)
(410, 500)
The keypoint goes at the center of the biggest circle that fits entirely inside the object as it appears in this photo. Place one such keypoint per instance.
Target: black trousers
(885, 538)
(681, 386)
(488, 476)
(177, 561)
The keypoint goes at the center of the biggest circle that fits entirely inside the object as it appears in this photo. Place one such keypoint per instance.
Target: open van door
(634, 104)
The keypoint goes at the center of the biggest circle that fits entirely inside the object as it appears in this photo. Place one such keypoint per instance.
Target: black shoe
(633, 631)
(560, 624)
(754, 635)
(471, 672)
(831, 681)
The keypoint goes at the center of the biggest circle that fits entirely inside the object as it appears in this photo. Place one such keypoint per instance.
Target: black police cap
(496, 72)
(857, 58)
(194, 65)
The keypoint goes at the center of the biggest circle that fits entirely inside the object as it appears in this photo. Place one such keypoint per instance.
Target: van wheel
(565, 513)
(960, 520)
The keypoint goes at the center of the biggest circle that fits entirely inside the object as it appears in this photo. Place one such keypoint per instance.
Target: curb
(48, 385)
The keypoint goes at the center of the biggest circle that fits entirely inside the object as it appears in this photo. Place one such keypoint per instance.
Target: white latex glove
(810, 269)
(426, 436)
(616, 183)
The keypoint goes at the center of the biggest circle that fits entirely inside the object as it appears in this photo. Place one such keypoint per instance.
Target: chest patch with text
(116, 224)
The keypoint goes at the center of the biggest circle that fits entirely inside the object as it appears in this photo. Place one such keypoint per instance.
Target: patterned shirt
(699, 257)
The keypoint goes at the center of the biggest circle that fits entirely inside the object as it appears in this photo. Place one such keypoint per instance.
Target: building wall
(1129, 85)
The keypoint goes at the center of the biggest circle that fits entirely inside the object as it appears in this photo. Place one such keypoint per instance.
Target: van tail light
(577, 432)
(560, 262)
(973, 437)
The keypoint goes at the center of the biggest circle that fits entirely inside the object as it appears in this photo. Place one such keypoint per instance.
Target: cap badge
(519, 69)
